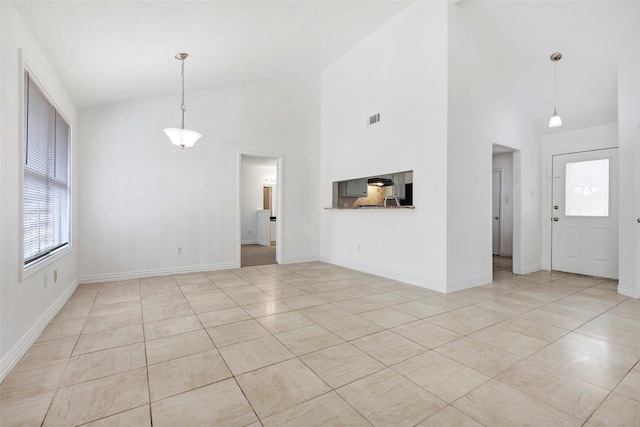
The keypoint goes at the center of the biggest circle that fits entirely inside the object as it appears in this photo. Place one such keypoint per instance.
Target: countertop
(368, 208)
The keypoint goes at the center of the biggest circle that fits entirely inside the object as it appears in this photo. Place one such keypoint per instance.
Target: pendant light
(555, 120)
(180, 136)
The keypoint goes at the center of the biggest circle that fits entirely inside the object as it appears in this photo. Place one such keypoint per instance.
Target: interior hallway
(316, 344)
(254, 255)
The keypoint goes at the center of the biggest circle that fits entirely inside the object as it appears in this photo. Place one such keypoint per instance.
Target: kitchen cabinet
(356, 188)
(263, 227)
(372, 190)
(398, 185)
(397, 189)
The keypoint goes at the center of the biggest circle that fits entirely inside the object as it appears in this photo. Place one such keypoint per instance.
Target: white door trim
(554, 147)
(516, 213)
(500, 210)
(583, 259)
(636, 175)
(547, 205)
(280, 201)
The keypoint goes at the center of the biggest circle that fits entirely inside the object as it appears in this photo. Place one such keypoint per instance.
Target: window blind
(46, 176)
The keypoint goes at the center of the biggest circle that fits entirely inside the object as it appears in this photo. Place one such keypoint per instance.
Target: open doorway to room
(260, 201)
(502, 193)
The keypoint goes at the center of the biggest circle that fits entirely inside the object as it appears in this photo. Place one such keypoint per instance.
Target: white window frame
(38, 265)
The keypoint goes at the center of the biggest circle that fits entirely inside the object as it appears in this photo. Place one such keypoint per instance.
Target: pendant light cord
(183, 107)
(555, 86)
(182, 137)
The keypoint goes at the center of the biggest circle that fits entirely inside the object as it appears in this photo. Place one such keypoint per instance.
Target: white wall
(141, 197)
(400, 71)
(483, 110)
(26, 305)
(595, 138)
(252, 178)
(629, 155)
(504, 162)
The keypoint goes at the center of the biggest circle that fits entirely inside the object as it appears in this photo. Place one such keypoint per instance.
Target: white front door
(496, 187)
(584, 213)
(637, 197)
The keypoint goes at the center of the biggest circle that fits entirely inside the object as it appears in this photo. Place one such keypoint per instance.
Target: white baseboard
(531, 269)
(249, 242)
(468, 283)
(411, 280)
(110, 277)
(298, 260)
(628, 291)
(11, 359)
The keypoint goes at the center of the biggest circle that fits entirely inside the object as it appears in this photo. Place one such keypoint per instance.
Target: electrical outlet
(358, 248)
(249, 231)
(179, 251)
(55, 276)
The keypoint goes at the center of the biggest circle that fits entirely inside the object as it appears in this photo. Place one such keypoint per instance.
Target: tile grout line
(381, 290)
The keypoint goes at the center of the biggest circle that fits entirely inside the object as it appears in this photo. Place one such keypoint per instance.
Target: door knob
(638, 219)
(556, 207)
(497, 218)
(555, 218)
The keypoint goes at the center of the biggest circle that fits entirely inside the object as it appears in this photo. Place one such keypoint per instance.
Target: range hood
(380, 182)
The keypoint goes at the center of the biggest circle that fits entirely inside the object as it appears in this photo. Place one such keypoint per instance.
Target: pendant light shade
(180, 136)
(555, 120)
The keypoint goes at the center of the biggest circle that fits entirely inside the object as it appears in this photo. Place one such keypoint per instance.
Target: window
(587, 188)
(46, 192)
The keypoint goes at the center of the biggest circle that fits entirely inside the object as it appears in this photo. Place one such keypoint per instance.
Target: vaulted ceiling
(111, 51)
(518, 37)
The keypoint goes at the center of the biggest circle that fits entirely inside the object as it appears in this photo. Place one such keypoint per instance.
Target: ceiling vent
(374, 119)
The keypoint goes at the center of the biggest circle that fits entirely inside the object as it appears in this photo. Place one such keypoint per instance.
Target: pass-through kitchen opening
(384, 191)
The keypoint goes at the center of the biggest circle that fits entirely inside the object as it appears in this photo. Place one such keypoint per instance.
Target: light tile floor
(315, 344)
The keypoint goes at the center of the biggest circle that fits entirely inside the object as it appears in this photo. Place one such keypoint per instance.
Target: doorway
(496, 205)
(502, 206)
(260, 202)
(584, 215)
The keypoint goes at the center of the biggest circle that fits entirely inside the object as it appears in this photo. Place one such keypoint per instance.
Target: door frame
(500, 210)
(516, 203)
(280, 202)
(551, 147)
(636, 195)
(614, 197)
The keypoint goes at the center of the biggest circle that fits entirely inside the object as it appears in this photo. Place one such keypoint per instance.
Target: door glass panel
(587, 188)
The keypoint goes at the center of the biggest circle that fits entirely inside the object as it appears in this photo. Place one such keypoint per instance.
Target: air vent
(374, 119)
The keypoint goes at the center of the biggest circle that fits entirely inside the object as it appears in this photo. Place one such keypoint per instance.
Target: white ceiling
(591, 35)
(111, 51)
